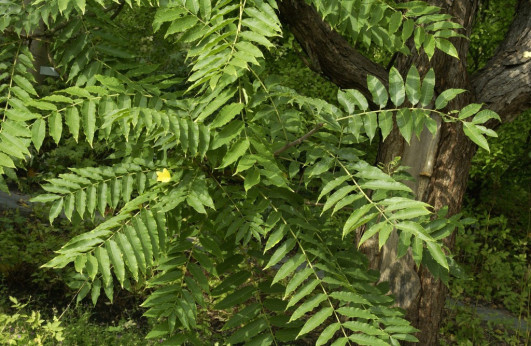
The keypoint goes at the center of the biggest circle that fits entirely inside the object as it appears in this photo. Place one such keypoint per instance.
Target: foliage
(490, 27)
(210, 194)
(506, 188)
(464, 326)
(389, 25)
(20, 328)
(497, 257)
(81, 329)
(494, 251)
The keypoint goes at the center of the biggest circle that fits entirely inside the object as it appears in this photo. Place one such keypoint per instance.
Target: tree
(213, 180)
(440, 165)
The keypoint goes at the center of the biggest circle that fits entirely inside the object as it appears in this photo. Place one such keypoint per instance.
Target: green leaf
(199, 276)
(104, 265)
(275, 237)
(6, 161)
(397, 91)
(308, 306)
(332, 185)
(370, 123)
(415, 229)
(145, 239)
(62, 5)
(472, 132)
(242, 316)
(281, 252)
(447, 96)
(81, 202)
(235, 152)
(194, 202)
(92, 266)
(136, 244)
(407, 29)
(297, 280)
(352, 99)
(356, 219)
(303, 292)
(116, 259)
(24, 84)
(385, 185)
(248, 331)
(45, 198)
(205, 8)
(362, 339)
(289, 267)
(470, 110)
(56, 127)
(337, 196)
(378, 92)
(96, 289)
(429, 45)
(316, 320)
(366, 329)
(228, 133)
(128, 255)
(251, 178)
(417, 249)
(485, 115)
(81, 5)
(385, 120)
(85, 289)
(13, 146)
(413, 85)
(395, 21)
(405, 123)
(72, 121)
(426, 91)
(437, 254)
(384, 235)
(231, 282)
(352, 312)
(370, 232)
(38, 132)
(447, 47)
(235, 298)
(79, 263)
(180, 25)
(226, 114)
(327, 333)
(55, 210)
(89, 120)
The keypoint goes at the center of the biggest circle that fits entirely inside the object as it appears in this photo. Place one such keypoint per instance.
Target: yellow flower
(164, 176)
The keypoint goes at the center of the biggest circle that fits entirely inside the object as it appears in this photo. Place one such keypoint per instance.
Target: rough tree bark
(439, 163)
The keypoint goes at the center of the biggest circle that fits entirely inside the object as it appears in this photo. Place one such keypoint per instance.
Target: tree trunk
(440, 163)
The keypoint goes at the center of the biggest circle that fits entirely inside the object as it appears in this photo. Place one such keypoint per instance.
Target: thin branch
(118, 10)
(299, 140)
(392, 61)
(328, 52)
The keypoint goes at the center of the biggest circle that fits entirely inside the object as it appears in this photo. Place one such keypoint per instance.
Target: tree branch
(504, 85)
(328, 52)
(299, 140)
(118, 10)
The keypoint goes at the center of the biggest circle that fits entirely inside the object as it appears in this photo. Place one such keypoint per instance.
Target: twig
(392, 62)
(299, 140)
(118, 10)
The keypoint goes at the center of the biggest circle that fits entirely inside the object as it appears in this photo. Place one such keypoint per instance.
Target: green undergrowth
(494, 251)
(37, 306)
